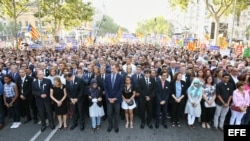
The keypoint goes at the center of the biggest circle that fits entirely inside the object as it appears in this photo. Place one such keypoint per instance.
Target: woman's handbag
(130, 103)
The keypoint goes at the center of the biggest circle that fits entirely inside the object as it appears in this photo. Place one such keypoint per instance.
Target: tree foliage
(7, 8)
(157, 25)
(107, 25)
(9, 29)
(68, 14)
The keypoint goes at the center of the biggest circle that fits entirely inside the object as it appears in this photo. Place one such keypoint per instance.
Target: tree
(68, 14)
(157, 25)
(107, 25)
(216, 8)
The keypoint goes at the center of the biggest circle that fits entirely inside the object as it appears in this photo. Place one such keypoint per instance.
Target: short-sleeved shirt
(9, 90)
(224, 90)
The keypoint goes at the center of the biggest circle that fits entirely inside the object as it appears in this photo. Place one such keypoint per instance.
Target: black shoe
(156, 126)
(43, 128)
(116, 129)
(142, 126)
(109, 128)
(28, 120)
(82, 127)
(35, 121)
(52, 126)
(73, 127)
(165, 125)
(150, 126)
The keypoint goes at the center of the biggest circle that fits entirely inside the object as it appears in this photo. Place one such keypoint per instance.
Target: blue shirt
(1, 88)
(178, 89)
(9, 90)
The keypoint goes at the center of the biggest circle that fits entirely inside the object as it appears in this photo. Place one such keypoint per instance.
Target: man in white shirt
(128, 62)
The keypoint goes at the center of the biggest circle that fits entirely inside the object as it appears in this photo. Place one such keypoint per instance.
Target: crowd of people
(110, 82)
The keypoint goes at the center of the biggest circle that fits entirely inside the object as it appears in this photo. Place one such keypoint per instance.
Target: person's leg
(75, 114)
(93, 119)
(65, 125)
(110, 114)
(217, 115)
(1, 112)
(127, 117)
(81, 113)
(131, 117)
(174, 114)
(142, 111)
(98, 121)
(158, 111)
(116, 114)
(224, 112)
(32, 104)
(164, 113)
(149, 111)
(59, 118)
(239, 117)
(49, 112)
(16, 111)
(233, 117)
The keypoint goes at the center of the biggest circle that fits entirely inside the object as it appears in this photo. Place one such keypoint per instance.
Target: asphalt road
(31, 132)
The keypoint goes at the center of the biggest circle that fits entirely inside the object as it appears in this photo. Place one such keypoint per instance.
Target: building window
(20, 23)
(26, 23)
(36, 23)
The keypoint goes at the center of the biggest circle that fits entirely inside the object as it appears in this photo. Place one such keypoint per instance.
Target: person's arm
(64, 95)
(52, 96)
(133, 96)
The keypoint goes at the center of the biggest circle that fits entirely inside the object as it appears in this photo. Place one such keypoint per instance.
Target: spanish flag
(34, 32)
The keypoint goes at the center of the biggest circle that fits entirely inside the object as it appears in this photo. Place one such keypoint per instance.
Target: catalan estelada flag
(34, 32)
(119, 34)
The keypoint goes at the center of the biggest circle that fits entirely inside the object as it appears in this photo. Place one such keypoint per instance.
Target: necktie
(22, 86)
(71, 84)
(40, 84)
(147, 82)
(113, 80)
(138, 76)
(89, 75)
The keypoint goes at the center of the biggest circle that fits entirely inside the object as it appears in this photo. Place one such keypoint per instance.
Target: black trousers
(207, 114)
(43, 108)
(78, 112)
(176, 111)
(146, 108)
(26, 105)
(113, 110)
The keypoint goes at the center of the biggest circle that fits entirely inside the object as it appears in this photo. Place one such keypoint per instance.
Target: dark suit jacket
(188, 80)
(36, 91)
(77, 90)
(46, 73)
(115, 92)
(162, 94)
(173, 90)
(171, 74)
(100, 82)
(86, 82)
(145, 90)
(231, 80)
(15, 77)
(27, 86)
(135, 82)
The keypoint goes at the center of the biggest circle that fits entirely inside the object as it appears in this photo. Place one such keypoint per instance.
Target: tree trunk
(216, 32)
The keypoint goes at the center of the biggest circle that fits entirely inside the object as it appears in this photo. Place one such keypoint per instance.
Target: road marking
(35, 136)
(52, 133)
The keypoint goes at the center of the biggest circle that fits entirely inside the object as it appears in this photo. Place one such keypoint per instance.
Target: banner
(238, 50)
(214, 47)
(246, 52)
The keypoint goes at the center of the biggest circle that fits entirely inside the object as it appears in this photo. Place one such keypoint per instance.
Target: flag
(34, 32)
(119, 34)
(90, 39)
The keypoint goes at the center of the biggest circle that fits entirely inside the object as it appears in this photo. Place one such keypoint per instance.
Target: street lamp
(15, 18)
(231, 39)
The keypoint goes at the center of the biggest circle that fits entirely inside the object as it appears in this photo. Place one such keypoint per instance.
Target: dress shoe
(28, 120)
(73, 127)
(165, 125)
(43, 128)
(116, 129)
(142, 126)
(150, 126)
(35, 121)
(82, 127)
(52, 126)
(109, 128)
(156, 126)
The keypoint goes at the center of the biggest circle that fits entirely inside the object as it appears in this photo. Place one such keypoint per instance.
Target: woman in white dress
(193, 106)
(95, 105)
(128, 102)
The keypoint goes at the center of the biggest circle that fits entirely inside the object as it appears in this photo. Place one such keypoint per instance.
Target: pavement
(31, 132)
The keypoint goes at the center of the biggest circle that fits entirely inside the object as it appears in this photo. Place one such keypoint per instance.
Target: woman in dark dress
(58, 95)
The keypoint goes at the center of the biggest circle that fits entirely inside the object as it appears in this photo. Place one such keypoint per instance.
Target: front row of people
(206, 101)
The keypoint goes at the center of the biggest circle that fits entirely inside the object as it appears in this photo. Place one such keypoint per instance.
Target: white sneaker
(18, 124)
(13, 125)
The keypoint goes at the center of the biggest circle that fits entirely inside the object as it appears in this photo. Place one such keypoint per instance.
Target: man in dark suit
(162, 96)
(24, 85)
(100, 81)
(41, 91)
(147, 93)
(14, 73)
(87, 77)
(113, 90)
(172, 69)
(74, 87)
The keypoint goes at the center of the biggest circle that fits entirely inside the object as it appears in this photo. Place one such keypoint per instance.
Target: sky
(128, 13)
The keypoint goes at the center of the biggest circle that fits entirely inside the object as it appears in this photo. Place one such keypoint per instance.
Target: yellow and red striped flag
(34, 32)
